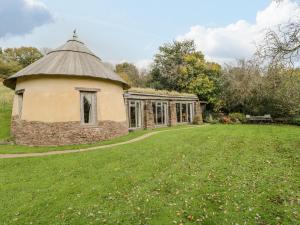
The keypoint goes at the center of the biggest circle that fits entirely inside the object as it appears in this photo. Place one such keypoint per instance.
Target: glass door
(134, 113)
(160, 113)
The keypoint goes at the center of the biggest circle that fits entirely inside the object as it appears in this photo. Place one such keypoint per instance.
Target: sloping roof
(71, 59)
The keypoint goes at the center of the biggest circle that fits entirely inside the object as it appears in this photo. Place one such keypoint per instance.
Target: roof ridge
(76, 40)
(68, 50)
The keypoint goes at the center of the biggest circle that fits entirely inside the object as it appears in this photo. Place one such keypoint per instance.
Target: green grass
(6, 98)
(218, 174)
(5, 115)
(12, 148)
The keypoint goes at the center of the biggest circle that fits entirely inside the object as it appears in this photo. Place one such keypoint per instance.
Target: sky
(132, 30)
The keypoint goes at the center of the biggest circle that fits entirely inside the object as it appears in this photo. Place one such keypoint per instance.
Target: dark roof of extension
(71, 59)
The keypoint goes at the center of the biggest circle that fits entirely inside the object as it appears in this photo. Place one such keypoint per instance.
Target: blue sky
(133, 30)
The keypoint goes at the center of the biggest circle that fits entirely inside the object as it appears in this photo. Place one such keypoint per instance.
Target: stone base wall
(172, 114)
(148, 116)
(64, 133)
(198, 112)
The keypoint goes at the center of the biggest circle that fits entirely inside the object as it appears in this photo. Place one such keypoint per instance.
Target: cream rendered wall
(55, 99)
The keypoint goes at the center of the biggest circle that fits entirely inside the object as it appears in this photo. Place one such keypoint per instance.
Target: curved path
(40, 154)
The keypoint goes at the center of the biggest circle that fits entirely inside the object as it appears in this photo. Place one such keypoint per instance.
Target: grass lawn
(218, 174)
(5, 115)
(6, 97)
(12, 148)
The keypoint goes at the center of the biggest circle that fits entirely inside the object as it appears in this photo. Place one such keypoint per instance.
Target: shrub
(211, 118)
(225, 119)
(237, 117)
(295, 121)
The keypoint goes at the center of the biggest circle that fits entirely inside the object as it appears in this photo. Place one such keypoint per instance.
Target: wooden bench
(259, 119)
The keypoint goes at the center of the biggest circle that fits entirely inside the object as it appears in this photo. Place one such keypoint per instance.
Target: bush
(225, 120)
(211, 118)
(237, 117)
(295, 121)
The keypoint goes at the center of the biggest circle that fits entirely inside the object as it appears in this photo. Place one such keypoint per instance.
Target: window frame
(138, 119)
(164, 105)
(94, 113)
(20, 100)
(190, 107)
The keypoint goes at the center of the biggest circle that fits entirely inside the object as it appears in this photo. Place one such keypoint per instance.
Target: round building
(67, 97)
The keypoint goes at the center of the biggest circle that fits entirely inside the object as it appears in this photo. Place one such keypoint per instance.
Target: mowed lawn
(218, 174)
(6, 98)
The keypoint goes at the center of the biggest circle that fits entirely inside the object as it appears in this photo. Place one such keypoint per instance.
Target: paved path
(40, 154)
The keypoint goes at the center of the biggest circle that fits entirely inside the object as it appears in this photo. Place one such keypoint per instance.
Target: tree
(14, 59)
(281, 44)
(8, 68)
(130, 74)
(23, 55)
(251, 89)
(167, 64)
(282, 90)
(201, 78)
(179, 66)
(242, 88)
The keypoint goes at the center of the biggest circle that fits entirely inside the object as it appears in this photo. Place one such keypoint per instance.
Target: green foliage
(14, 59)
(130, 74)
(178, 66)
(294, 121)
(281, 91)
(237, 117)
(167, 64)
(23, 55)
(241, 87)
(8, 68)
(250, 89)
(212, 118)
(236, 174)
(201, 78)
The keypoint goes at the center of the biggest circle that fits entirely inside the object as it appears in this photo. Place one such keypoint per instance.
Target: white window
(184, 112)
(88, 107)
(135, 114)
(160, 113)
(190, 112)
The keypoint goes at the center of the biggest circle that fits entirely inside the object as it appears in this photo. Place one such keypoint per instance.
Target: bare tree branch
(282, 45)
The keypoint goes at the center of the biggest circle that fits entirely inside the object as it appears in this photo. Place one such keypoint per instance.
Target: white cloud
(239, 39)
(22, 16)
(143, 64)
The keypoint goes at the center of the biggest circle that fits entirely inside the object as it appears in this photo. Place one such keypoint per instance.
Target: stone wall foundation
(64, 133)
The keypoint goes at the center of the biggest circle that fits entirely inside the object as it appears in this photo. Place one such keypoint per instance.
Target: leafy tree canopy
(253, 90)
(179, 66)
(14, 59)
(130, 74)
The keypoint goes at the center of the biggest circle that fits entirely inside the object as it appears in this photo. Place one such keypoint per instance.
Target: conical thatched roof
(71, 59)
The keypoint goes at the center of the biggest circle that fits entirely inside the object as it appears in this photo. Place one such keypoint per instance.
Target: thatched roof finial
(75, 34)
